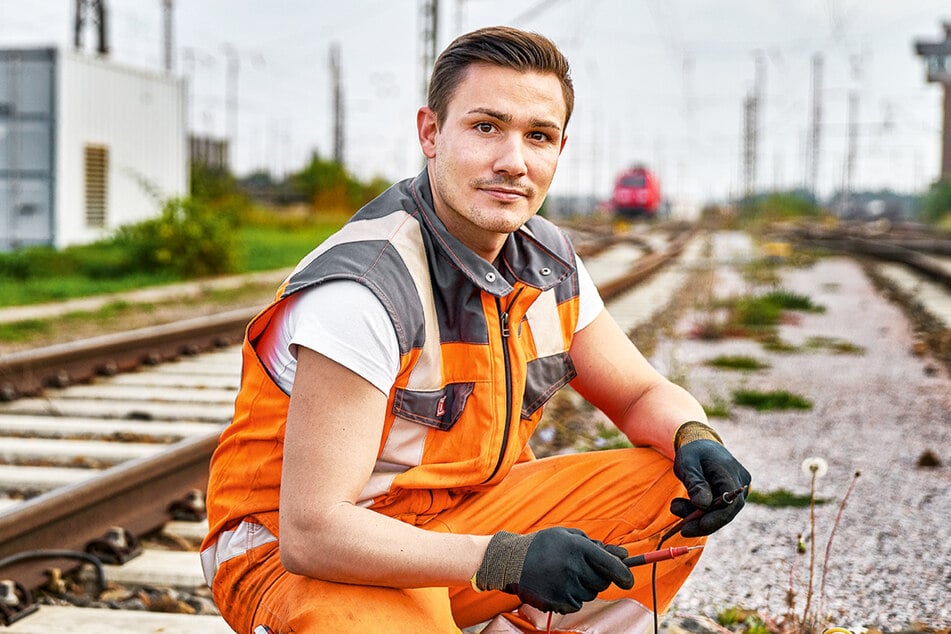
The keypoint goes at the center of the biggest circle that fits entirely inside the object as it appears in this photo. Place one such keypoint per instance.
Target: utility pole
(759, 92)
(231, 101)
(167, 39)
(815, 125)
(337, 92)
(91, 11)
(428, 38)
(752, 106)
(851, 151)
(749, 145)
(938, 59)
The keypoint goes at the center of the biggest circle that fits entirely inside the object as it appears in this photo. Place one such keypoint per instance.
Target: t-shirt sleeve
(590, 303)
(342, 320)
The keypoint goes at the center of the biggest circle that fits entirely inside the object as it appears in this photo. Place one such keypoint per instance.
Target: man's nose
(511, 157)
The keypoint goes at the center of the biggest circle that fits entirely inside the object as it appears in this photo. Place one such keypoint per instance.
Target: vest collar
(529, 254)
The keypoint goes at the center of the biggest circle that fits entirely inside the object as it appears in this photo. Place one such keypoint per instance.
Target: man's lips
(505, 193)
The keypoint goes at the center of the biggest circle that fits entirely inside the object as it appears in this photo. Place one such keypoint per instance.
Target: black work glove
(554, 570)
(708, 471)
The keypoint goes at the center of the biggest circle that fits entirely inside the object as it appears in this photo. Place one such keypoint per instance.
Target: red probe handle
(656, 555)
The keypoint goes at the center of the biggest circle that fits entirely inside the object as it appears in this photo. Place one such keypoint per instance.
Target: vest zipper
(504, 327)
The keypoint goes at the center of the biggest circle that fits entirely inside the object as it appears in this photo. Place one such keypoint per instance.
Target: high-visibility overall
(482, 348)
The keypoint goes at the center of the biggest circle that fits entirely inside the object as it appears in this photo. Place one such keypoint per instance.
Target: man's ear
(427, 129)
(564, 138)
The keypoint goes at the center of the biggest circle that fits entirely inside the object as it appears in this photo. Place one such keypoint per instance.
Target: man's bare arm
(615, 377)
(334, 426)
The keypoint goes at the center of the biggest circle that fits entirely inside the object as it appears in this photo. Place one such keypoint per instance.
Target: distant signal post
(937, 57)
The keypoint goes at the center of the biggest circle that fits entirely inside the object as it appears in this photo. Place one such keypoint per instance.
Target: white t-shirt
(344, 321)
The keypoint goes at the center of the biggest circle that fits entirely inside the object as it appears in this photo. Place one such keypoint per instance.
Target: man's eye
(539, 136)
(485, 127)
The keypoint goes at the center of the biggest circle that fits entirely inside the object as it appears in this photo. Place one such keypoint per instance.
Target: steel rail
(647, 265)
(881, 248)
(135, 495)
(27, 373)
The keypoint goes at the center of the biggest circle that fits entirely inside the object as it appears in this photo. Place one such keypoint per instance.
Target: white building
(85, 146)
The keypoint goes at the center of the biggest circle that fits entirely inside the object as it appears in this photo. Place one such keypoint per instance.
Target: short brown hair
(501, 46)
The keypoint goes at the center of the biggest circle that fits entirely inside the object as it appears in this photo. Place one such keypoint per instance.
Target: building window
(97, 172)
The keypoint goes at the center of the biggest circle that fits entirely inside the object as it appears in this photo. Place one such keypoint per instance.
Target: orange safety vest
(482, 348)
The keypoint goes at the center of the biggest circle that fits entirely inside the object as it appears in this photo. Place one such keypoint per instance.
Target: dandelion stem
(812, 549)
(835, 525)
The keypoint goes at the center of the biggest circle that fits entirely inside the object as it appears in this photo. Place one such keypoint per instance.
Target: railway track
(107, 440)
(137, 425)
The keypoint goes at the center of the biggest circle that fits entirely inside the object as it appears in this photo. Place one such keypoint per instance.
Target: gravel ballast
(877, 412)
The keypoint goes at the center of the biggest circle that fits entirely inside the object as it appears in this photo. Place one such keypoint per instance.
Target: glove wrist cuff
(503, 560)
(694, 430)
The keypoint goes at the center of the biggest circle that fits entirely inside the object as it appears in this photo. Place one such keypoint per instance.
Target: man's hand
(708, 471)
(554, 570)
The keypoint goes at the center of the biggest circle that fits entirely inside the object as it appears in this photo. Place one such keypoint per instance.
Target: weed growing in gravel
(736, 362)
(811, 620)
(834, 344)
(782, 498)
(751, 315)
(773, 400)
(720, 408)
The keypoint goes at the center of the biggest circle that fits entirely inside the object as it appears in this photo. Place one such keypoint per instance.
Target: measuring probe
(658, 555)
(725, 499)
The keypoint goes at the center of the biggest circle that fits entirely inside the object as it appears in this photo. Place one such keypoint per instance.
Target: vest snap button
(545, 271)
(490, 276)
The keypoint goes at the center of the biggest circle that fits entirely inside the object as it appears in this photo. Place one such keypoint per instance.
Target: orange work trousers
(619, 497)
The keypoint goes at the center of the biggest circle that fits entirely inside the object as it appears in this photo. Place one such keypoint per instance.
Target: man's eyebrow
(507, 118)
(501, 116)
(542, 123)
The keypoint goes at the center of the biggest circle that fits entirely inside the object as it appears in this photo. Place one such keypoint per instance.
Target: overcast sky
(660, 82)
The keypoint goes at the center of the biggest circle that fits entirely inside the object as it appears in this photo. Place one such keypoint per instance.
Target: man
(376, 476)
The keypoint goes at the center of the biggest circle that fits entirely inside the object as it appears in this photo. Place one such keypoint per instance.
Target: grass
(270, 247)
(720, 408)
(781, 498)
(752, 315)
(769, 401)
(56, 277)
(834, 344)
(38, 290)
(737, 362)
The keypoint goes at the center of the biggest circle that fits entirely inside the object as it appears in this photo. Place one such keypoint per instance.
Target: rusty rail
(647, 265)
(135, 495)
(904, 250)
(27, 373)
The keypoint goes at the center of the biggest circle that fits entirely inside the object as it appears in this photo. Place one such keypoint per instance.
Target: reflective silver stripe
(406, 440)
(427, 373)
(231, 544)
(356, 230)
(545, 321)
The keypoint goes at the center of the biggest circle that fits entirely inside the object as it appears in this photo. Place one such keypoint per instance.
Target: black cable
(654, 587)
(59, 554)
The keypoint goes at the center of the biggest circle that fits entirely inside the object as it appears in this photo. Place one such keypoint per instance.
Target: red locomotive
(636, 194)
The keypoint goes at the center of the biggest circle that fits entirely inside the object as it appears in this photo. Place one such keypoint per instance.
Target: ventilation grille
(97, 172)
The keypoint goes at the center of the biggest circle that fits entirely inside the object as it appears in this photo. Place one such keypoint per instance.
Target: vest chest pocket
(440, 409)
(544, 377)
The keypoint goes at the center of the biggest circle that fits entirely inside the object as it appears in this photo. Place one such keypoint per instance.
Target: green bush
(187, 238)
(936, 204)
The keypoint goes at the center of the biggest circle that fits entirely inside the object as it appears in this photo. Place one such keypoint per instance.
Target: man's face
(493, 158)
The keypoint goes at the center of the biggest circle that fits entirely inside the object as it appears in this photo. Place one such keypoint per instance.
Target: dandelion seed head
(815, 466)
